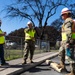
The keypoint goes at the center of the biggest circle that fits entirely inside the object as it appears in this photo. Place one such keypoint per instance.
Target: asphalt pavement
(45, 69)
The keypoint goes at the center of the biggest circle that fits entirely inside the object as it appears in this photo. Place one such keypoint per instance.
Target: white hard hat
(65, 10)
(29, 22)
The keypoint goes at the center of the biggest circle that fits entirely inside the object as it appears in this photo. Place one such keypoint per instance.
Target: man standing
(29, 42)
(66, 39)
(2, 42)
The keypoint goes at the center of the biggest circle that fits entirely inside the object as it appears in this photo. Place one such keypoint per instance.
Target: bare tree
(57, 23)
(40, 10)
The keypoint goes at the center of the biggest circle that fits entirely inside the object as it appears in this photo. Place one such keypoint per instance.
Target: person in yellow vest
(29, 42)
(2, 42)
(67, 41)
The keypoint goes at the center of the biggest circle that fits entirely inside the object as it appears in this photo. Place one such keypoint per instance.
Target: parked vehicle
(43, 44)
(10, 44)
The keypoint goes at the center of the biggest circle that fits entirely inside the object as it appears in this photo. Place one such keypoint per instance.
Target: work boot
(31, 61)
(2, 64)
(61, 65)
(24, 62)
(72, 70)
(72, 73)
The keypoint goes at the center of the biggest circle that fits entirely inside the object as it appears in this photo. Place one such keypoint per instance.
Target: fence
(14, 47)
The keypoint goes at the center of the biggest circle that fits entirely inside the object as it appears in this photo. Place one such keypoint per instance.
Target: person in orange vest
(67, 40)
(29, 42)
(2, 42)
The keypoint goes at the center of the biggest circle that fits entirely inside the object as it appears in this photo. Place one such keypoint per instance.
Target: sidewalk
(15, 66)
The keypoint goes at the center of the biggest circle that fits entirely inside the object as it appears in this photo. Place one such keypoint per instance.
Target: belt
(29, 40)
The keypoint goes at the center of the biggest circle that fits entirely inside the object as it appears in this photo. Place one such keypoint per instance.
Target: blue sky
(10, 25)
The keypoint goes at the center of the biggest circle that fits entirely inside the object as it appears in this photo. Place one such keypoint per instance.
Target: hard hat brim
(65, 12)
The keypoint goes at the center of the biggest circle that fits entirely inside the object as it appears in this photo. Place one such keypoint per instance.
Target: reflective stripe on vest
(2, 38)
(29, 34)
(64, 37)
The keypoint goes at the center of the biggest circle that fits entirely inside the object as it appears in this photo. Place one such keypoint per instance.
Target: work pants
(2, 54)
(62, 52)
(72, 64)
(71, 58)
(29, 47)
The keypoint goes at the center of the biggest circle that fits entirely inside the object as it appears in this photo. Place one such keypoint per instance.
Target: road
(44, 69)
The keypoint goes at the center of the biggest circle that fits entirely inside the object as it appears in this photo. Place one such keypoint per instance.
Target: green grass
(11, 57)
(14, 54)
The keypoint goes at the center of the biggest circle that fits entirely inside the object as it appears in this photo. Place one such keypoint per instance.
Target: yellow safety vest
(2, 38)
(29, 34)
(64, 37)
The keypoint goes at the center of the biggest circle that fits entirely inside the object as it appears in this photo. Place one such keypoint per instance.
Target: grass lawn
(14, 54)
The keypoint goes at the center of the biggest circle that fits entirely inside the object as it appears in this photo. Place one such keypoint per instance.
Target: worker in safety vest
(70, 46)
(70, 51)
(73, 40)
(2, 42)
(29, 42)
(66, 38)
